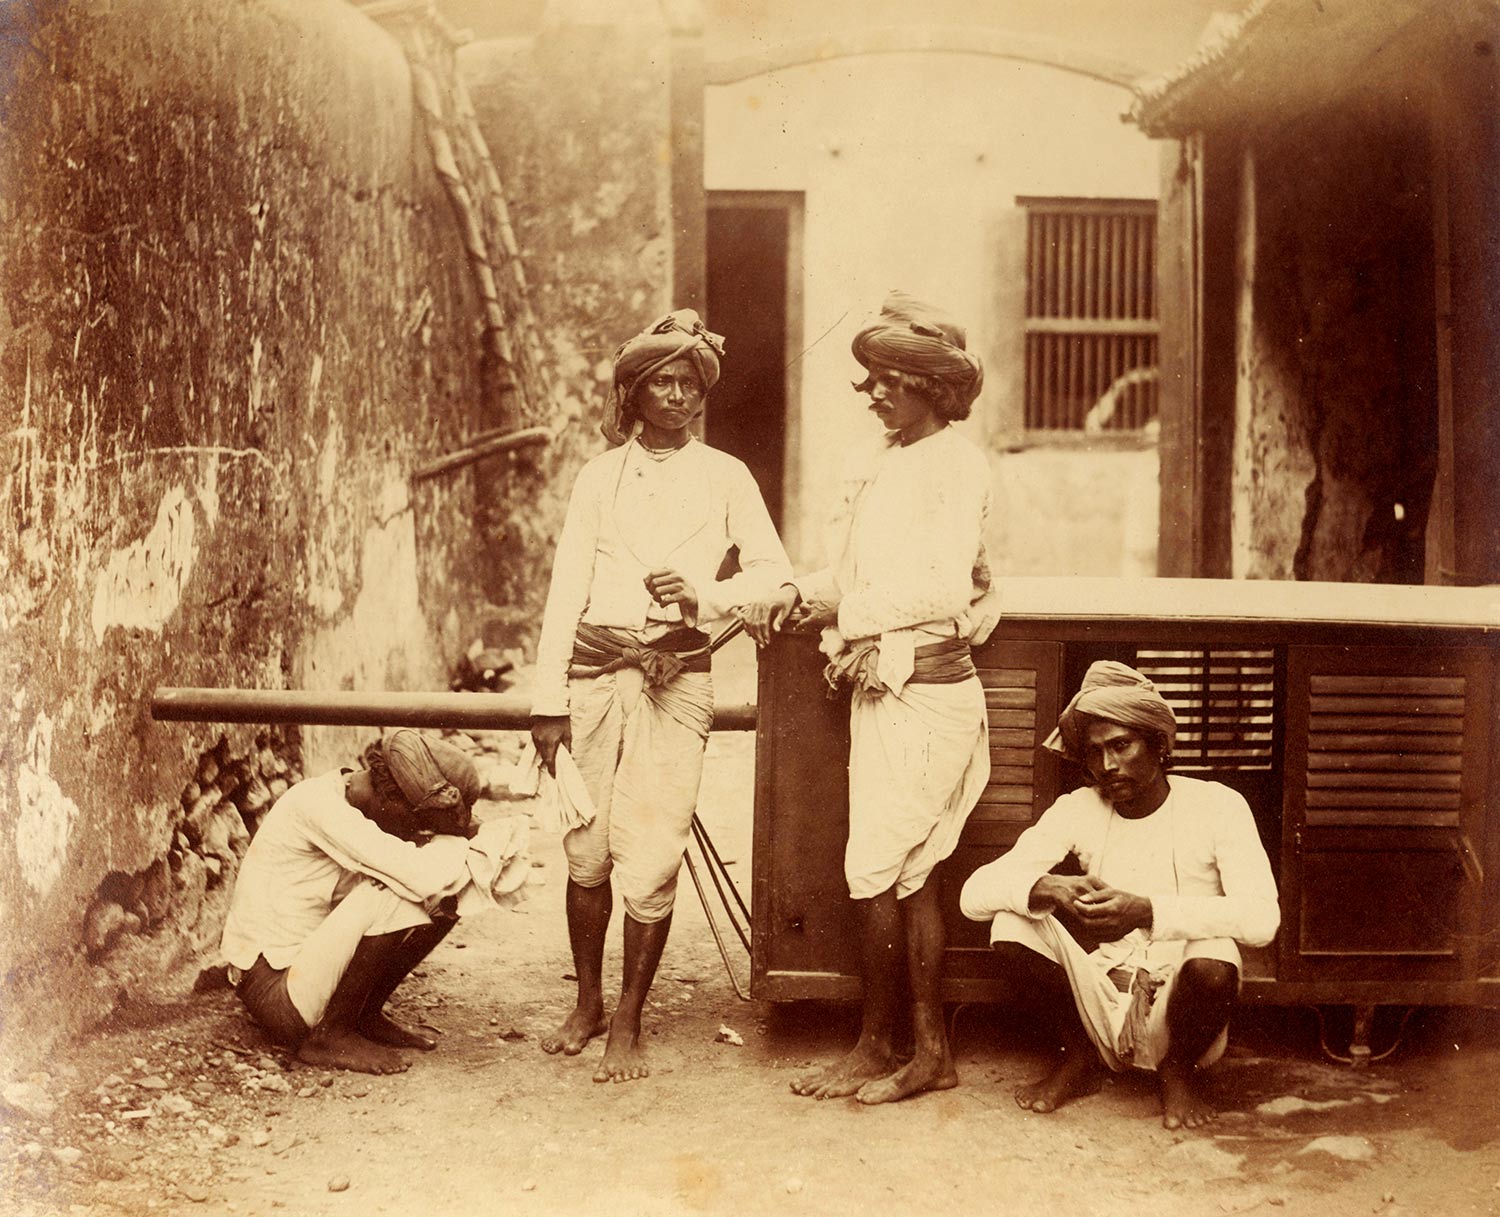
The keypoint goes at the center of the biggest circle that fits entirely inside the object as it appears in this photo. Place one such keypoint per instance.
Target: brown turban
(437, 779)
(678, 335)
(1117, 693)
(911, 336)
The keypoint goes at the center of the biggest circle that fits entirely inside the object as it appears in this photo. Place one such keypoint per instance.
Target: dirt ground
(187, 1109)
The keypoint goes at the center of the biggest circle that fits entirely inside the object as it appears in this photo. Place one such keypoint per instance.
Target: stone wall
(234, 314)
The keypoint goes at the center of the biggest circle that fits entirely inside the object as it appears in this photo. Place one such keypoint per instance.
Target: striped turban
(1116, 693)
(912, 336)
(438, 783)
(678, 335)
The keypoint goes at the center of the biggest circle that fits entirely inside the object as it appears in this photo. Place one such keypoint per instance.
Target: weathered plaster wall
(234, 313)
(1071, 511)
(577, 122)
(1335, 444)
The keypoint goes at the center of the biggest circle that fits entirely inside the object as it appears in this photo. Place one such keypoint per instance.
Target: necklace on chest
(655, 455)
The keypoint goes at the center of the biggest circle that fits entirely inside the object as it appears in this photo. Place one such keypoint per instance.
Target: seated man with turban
(906, 595)
(622, 668)
(1174, 877)
(336, 902)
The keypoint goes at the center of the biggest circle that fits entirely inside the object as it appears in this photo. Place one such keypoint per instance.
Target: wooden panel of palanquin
(1367, 767)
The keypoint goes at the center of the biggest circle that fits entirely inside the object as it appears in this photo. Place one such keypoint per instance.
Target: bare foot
(925, 1071)
(865, 1063)
(1183, 1104)
(624, 1058)
(384, 1030)
(348, 1050)
(578, 1028)
(1076, 1075)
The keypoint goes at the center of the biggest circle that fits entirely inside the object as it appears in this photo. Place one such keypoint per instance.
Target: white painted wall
(910, 164)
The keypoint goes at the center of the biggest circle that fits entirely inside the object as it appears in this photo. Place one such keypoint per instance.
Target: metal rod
(713, 926)
(729, 631)
(719, 877)
(710, 853)
(484, 711)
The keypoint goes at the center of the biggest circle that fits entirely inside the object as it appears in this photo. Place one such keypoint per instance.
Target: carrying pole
(339, 708)
(473, 711)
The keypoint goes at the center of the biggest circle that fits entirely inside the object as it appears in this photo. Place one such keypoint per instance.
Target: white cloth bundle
(563, 802)
(498, 864)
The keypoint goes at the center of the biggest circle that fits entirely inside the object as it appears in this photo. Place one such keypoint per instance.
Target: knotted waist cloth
(641, 712)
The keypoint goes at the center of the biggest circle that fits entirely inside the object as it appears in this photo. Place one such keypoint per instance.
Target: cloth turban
(1117, 693)
(911, 336)
(437, 779)
(678, 335)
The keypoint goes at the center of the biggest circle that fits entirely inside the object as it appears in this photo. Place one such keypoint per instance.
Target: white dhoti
(918, 761)
(1129, 1027)
(640, 751)
(369, 909)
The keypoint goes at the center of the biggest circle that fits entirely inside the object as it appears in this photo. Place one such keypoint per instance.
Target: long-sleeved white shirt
(1219, 883)
(629, 515)
(906, 538)
(309, 844)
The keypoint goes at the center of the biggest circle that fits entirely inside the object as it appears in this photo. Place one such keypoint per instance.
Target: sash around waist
(942, 663)
(598, 650)
(947, 662)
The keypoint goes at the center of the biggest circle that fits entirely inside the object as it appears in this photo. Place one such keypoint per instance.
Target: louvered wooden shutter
(1022, 682)
(1385, 750)
(1091, 318)
(1021, 696)
(1224, 699)
(1386, 766)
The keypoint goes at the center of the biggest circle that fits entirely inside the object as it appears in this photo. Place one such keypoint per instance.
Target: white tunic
(1199, 860)
(906, 538)
(307, 852)
(908, 561)
(629, 515)
(1212, 880)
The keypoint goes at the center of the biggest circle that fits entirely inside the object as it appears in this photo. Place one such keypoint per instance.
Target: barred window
(1091, 324)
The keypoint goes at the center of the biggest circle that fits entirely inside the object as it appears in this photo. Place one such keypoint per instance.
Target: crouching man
(1135, 962)
(336, 901)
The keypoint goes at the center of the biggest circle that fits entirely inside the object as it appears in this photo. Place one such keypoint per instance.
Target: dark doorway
(754, 300)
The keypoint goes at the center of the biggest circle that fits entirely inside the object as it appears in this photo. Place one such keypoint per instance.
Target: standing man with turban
(622, 670)
(1135, 961)
(907, 593)
(336, 901)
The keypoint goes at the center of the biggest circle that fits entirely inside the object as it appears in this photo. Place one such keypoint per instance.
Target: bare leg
(415, 946)
(873, 1055)
(1045, 994)
(336, 1041)
(624, 1059)
(588, 922)
(1199, 1009)
(932, 1066)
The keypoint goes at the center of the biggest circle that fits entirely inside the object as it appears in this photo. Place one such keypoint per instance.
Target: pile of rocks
(179, 900)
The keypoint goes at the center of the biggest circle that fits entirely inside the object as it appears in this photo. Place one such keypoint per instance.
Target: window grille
(1091, 324)
(1225, 703)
